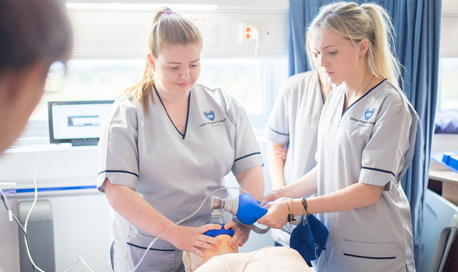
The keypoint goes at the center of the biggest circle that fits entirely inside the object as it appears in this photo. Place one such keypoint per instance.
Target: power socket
(8, 187)
(248, 32)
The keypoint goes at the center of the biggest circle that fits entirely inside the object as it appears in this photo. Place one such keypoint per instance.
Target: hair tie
(167, 12)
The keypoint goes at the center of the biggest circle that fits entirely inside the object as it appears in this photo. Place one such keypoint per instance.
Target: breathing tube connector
(244, 207)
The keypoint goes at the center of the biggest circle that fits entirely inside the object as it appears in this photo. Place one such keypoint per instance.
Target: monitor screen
(76, 122)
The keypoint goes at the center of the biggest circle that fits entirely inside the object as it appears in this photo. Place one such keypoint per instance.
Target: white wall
(109, 32)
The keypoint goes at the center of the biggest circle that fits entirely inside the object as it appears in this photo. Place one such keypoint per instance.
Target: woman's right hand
(193, 239)
(276, 216)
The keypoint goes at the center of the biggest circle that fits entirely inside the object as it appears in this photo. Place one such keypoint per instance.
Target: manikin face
(176, 69)
(336, 55)
(192, 261)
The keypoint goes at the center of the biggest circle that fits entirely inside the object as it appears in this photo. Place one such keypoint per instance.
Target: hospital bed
(440, 223)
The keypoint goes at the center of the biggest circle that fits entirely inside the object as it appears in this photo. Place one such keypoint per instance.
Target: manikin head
(192, 261)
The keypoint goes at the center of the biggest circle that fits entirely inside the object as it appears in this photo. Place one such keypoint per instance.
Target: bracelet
(290, 210)
(291, 205)
(304, 204)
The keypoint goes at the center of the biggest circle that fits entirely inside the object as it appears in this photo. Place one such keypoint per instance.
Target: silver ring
(238, 229)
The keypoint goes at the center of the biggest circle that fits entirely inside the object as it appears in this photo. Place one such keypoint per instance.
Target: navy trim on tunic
(187, 114)
(380, 170)
(256, 153)
(117, 171)
(278, 132)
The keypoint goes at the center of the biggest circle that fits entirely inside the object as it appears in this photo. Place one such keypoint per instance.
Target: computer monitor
(76, 122)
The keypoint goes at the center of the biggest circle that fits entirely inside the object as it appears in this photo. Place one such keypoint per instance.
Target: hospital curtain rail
(417, 33)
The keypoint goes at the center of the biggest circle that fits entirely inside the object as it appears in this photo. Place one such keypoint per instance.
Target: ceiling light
(137, 7)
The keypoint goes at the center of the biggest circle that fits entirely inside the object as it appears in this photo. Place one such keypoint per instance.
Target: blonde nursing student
(294, 122)
(166, 145)
(366, 139)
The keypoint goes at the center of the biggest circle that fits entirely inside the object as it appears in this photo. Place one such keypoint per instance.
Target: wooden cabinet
(445, 182)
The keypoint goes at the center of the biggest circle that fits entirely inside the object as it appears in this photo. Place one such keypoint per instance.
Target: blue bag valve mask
(249, 209)
(244, 207)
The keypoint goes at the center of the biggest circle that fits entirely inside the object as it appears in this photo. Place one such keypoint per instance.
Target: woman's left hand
(276, 216)
(281, 153)
(241, 234)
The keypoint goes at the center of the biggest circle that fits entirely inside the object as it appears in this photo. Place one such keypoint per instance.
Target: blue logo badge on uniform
(368, 114)
(210, 115)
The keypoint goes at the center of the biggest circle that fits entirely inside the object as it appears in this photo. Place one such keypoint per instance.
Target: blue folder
(448, 159)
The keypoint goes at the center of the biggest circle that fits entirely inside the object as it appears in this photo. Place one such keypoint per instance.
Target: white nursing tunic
(372, 142)
(173, 172)
(294, 121)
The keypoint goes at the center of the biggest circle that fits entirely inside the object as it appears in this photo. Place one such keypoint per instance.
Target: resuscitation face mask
(216, 217)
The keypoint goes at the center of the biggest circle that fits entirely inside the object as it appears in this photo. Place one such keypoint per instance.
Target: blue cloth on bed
(446, 122)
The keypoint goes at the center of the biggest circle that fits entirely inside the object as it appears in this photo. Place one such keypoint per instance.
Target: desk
(449, 181)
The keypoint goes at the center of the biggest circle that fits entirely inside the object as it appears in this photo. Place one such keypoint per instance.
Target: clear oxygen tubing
(252, 255)
(28, 215)
(31, 208)
(7, 205)
(181, 221)
(256, 34)
(17, 221)
(222, 259)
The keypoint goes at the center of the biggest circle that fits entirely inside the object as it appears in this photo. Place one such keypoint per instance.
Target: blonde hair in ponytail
(168, 29)
(370, 22)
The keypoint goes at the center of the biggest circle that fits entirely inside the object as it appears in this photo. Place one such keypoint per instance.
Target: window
(92, 80)
(102, 79)
(233, 76)
(448, 84)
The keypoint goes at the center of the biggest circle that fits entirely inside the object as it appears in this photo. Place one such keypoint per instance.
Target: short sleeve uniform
(294, 121)
(173, 172)
(371, 142)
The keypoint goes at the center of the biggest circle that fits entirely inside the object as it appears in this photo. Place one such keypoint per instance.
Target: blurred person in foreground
(33, 35)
